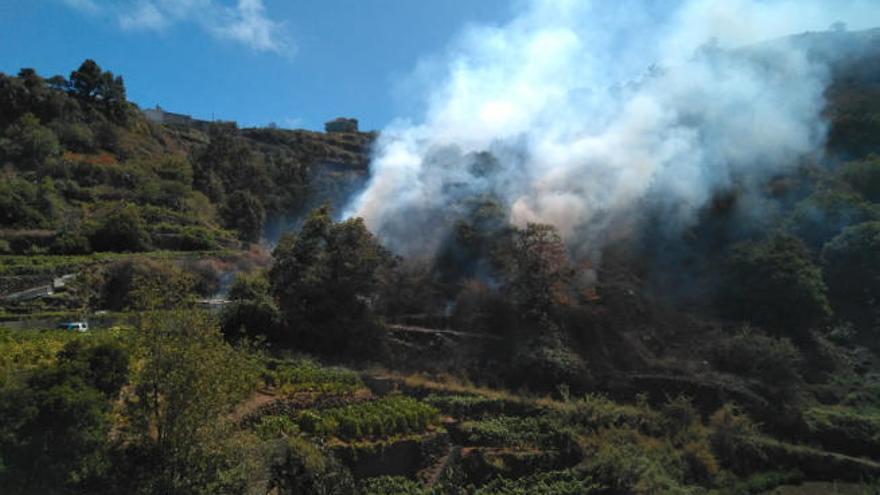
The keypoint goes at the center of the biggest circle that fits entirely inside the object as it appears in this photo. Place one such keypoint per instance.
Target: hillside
(736, 356)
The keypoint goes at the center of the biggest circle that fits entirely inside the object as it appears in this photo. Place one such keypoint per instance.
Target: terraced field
(414, 435)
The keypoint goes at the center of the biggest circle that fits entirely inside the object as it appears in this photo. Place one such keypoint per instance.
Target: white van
(74, 326)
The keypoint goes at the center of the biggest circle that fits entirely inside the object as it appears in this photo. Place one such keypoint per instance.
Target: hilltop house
(160, 116)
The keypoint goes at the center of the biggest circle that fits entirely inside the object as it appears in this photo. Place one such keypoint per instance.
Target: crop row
(512, 431)
(380, 418)
(308, 376)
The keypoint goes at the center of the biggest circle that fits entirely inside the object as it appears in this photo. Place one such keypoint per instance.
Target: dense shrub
(323, 278)
(775, 361)
(734, 440)
(245, 213)
(76, 136)
(252, 312)
(825, 213)
(121, 230)
(774, 284)
(625, 461)
(845, 430)
(852, 263)
(864, 177)
(28, 144)
(71, 241)
(55, 425)
(299, 466)
(139, 283)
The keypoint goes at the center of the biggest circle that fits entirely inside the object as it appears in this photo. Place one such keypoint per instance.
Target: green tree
(824, 213)
(325, 274)
(539, 270)
(55, 425)
(774, 284)
(864, 177)
(176, 426)
(86, 80)
(245, 213)
(18, 203)
(140, 284)
(252, 312)
(121, 230)
(852, 264)
(91, 83)
(28, 144)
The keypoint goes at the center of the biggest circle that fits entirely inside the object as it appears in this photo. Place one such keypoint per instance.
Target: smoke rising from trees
(593, 112)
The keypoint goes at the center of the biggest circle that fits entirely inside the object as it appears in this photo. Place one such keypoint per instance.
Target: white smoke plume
(594, 109)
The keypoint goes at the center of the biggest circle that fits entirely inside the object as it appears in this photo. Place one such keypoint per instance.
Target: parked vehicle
(74, 326)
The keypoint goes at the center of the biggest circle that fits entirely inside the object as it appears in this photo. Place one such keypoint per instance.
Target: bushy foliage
(175, 418)
(245, 213)
(121, 230)
(864, 177)
(568, 482)
(138, 283)
(822, 215)
(323, 277)
(55, 423)
(252, 313)
(380, 418)
(20, 203)
(775, 361)
(626, 461)
(28, 144)
(734, 440)
(852, 263)
(539, 270)
(299, 466)
(774, 284)
(845, 430)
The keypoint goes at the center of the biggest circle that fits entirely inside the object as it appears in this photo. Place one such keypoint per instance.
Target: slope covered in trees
(734, 357)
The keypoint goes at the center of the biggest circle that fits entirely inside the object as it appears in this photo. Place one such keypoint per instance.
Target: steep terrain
(734, 357)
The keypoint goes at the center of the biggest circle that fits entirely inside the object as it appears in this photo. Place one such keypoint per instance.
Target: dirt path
(253, 403)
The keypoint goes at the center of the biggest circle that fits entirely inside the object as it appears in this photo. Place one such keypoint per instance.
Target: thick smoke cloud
(594, 111)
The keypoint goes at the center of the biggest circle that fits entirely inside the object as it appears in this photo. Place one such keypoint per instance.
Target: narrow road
(433, 331)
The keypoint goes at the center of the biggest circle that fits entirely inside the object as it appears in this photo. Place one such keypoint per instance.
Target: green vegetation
(775, 284)
(381, 418)
(306, 375)
(322, 278)
(730, 359)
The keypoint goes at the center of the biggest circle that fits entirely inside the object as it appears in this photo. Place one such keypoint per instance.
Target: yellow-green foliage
(627, 461)
(476, 406)
(568, 482)
(734, 436)
(305, 375)
(511, 431)
(596, 411)
(22, 351)
(391, 415)
(272, 426)
(844, 421)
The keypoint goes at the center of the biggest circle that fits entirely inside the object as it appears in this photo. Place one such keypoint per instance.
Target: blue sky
(297, 63)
